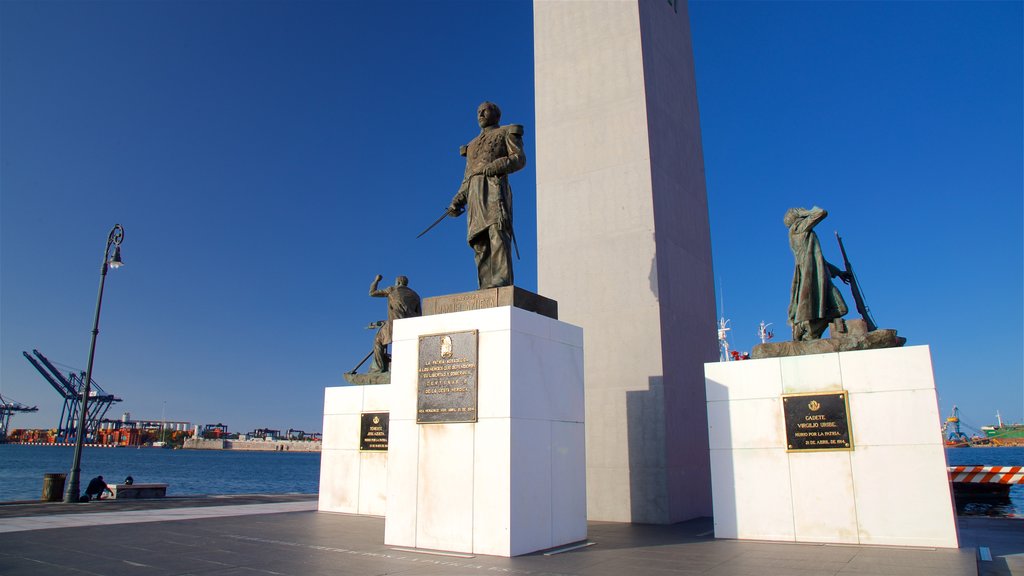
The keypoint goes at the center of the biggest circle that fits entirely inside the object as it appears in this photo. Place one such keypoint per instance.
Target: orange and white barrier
(987, 474)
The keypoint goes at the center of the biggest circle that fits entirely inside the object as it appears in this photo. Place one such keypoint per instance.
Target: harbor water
(1013, 507)
(186, 472)
(209, 472)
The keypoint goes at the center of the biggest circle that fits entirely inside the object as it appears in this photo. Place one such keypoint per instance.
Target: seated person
(96, 487)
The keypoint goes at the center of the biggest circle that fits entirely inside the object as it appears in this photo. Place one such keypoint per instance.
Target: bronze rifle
(858, 298)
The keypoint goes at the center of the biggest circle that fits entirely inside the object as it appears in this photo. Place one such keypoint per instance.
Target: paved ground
(283, 535)
(35, 508)
(1001, 538)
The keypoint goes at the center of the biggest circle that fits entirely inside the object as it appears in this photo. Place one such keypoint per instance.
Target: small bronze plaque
(446, 388)
(373, 431)
(817, 422)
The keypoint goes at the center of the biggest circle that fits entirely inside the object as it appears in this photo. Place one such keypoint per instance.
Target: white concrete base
(137, 491)
(513, 482)
(352, 481)
(891, 489)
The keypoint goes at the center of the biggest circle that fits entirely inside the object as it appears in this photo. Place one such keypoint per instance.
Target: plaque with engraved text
(373, 431)
(446, 382)
(818, 421)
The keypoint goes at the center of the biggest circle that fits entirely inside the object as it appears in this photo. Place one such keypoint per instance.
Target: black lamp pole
(71, 494)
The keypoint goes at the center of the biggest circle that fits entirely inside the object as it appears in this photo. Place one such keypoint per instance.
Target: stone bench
(137, 491)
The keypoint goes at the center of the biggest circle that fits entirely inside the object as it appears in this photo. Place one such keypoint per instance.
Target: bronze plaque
(818, 421)
(460, 302)
(446, 386)
(373, 431)
(491, 298)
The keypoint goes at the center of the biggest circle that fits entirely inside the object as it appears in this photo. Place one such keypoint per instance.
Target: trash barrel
(53, 487)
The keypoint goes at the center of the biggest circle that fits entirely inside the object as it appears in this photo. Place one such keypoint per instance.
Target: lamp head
(115, 260)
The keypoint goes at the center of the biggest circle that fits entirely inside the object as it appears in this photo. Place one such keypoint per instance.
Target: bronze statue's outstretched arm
(373, 288)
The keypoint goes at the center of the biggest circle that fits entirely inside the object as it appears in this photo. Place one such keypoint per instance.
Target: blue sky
(267, 159)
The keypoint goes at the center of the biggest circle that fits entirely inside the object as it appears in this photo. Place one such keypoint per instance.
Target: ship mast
(723, 342)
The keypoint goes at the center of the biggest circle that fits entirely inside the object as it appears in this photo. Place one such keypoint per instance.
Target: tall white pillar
(624, 245)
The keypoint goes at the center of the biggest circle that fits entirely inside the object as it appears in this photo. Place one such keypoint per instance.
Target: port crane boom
(7, 408)
(70, 389)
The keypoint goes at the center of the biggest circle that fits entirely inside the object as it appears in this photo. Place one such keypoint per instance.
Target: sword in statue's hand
(449, 211)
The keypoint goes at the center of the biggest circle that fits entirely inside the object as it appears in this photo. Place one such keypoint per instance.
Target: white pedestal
(891, 489)
(513, 482)
(352, 481)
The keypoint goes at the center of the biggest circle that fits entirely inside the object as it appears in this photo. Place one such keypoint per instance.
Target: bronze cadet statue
(403, 302)
(487, 197)
(814, 300)
(816, 304)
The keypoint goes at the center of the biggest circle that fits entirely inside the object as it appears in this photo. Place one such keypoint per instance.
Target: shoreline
(255, 445)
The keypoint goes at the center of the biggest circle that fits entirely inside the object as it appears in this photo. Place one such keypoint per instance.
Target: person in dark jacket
(96, 488)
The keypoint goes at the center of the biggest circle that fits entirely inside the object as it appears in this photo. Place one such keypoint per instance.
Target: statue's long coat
(813, 296)
(488, 199)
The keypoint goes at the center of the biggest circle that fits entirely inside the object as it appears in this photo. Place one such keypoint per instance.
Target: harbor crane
(952, 429)
(7, 408)
(70, 389)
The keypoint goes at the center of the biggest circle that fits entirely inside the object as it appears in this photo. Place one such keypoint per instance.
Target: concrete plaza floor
(284, 535)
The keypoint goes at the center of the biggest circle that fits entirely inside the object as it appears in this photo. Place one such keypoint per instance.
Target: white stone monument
(623, 244)
(887, 485)
(353, 481)
(512, 481)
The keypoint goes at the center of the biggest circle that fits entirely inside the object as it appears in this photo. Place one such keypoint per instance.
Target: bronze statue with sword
(486, 196)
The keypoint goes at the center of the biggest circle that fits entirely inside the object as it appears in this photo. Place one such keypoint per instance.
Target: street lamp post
(71, 494)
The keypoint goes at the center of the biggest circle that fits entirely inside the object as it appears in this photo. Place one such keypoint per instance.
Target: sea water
(1012, 507)
(186, 472)
(205, 472)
